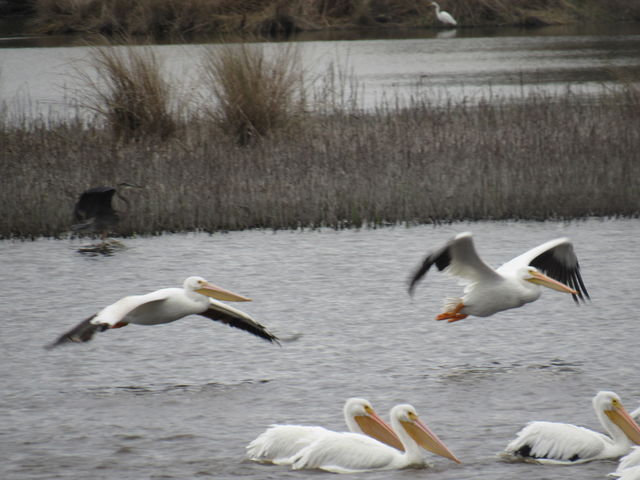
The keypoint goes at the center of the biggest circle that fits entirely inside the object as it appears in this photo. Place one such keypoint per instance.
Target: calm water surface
(182, 400)
(40, 75)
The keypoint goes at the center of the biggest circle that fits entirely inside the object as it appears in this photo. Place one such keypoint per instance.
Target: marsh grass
(184, 18)
(537, 157)
(126, 87)
(254, 92)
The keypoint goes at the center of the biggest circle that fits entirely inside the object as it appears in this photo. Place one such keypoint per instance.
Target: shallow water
(40, 75)
(182, 400)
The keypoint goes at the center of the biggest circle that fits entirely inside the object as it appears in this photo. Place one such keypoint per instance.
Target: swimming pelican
(629, 466)
(352, 452)
(279, 443)
(165, 306)
(512, 285)
(565, 444)
(444, 17)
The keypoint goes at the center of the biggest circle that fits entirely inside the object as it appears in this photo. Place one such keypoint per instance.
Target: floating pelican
(515, 283)
(165, 306)
(629, 466)
(352, 452)
(565, 444)
(444, 17)
(279, 443)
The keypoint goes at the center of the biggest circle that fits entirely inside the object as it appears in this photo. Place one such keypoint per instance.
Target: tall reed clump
(255, 92)
(125, 86)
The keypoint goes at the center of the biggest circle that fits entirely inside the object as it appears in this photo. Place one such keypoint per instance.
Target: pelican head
(610, 404)
(417, 430)
(201, 286)
(533, 275)
(361, 411)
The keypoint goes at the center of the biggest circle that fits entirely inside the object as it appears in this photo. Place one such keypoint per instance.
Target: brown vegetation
(182, 18)
(537, 158)
(253, 93)
(127, 88)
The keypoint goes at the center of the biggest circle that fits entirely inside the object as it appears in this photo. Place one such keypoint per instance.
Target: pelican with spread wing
(197, 296)
(553, 265)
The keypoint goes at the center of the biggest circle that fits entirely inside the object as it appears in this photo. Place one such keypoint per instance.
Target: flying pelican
(444, 17)
(165, 306)
(352, 452)
(94, 209)
(629, 466)
(565, 444)
(515, 283)
(279, 443)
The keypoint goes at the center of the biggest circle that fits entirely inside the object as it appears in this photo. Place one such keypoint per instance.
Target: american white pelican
(442, 16)
(165, 306)
(629, 466)
(279, 443)
(562, 443)
(515, 283)
(351, 452)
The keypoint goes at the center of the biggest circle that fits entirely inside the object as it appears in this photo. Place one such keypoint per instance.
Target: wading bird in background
(279, 443)
(94, 209)
(165, 306)
(566, 444)
(444, 17)
(514, 284)
(351, 452)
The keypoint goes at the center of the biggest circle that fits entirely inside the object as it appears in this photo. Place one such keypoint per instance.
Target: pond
(183, 400)
(39, 75)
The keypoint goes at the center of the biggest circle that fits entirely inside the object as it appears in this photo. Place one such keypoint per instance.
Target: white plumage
(352, 452)
(444, 17)
(279, 443)
(165, 306)
(562, 443)
(629, 466)
(553, 265)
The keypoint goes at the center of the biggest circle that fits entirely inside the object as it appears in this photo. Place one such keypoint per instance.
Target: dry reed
(540, 158)
(126, 87)
(255, 93)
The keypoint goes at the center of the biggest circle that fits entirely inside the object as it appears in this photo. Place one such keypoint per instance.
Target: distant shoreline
(171, 18)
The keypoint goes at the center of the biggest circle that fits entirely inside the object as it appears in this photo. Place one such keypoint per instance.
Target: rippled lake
(182, 400)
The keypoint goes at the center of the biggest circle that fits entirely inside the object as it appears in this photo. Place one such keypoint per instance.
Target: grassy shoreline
(537, 158)
(172, 18)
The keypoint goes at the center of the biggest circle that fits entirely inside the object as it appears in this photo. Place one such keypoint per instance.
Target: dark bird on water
(94, 209)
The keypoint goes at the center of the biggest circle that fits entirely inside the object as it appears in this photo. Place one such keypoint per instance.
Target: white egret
(445, 17)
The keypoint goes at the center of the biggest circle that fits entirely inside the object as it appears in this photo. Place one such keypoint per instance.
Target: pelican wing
(345, 453)
(630, 460)
(109, 317)
(233, 317)
(556, 259)
(457, 257)
(279, 443)
(83, 332)
(551, 442)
